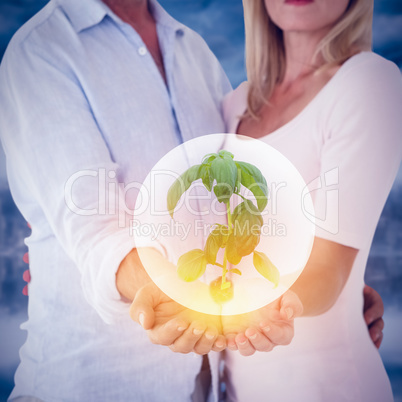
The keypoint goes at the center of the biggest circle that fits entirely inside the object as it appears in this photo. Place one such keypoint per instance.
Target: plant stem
(225, 260)
(244, 198)
(229, 215)
(224, 269)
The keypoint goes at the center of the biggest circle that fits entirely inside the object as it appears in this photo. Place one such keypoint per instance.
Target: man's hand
(263, 329)
(26, 276)
(373, 311)
(169, 323)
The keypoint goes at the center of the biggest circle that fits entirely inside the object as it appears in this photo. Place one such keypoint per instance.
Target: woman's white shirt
(347, 145)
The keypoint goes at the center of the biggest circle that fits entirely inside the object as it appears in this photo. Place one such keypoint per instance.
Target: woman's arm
(324, 276)
(314, 292)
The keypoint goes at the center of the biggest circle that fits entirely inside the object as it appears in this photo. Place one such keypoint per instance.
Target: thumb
(291, 306)
(142, 308)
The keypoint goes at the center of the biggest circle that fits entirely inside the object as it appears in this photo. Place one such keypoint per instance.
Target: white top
(84, 115)
(347, 145)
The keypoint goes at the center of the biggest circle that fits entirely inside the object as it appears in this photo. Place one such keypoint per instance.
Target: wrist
(131, 276)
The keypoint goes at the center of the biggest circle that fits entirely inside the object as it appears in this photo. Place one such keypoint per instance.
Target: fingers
(278, 332)
(25, 258)
(219, 344)
(207, 341)
(26, 276)
(290, 306)
(167, 333)
(198, 339)
(142, 308)
(258, 340)
(373, 311)
(373, 305)
(244, 346)
(375, 331)
(231, 341)
(187, 342)
(262, 340)
(377, 343)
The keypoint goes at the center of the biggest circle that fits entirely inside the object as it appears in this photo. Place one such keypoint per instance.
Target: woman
(316, 93)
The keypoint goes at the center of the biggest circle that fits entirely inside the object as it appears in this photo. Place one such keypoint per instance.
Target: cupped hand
(265, 328)
(171, 324)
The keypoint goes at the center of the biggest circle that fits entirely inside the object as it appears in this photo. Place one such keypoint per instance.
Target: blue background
(220, 22)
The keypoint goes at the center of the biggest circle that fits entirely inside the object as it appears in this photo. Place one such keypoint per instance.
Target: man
(93, 95)
(85, 94)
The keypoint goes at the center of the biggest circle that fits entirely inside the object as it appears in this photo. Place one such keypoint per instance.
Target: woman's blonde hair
(265, 54)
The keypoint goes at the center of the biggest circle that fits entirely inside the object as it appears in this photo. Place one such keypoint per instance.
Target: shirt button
(142, 51)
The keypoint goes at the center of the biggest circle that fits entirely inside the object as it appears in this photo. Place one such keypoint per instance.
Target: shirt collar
(84, 14)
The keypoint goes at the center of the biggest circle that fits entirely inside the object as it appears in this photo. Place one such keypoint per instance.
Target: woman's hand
(265, 328)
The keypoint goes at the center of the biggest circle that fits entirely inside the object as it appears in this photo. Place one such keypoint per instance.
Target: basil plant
(224, 176)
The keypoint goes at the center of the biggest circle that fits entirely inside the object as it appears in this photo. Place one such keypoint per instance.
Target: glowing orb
(286, 238)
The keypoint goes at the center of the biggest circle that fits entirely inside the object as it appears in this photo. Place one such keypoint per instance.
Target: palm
(237, 324)
(262, 329)
(178, 327)
(167, 310)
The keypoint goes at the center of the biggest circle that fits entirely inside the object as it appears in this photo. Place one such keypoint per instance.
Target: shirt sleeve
(55, 156)
(361, 153)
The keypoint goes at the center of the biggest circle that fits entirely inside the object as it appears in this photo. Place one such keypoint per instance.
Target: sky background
(220, 22)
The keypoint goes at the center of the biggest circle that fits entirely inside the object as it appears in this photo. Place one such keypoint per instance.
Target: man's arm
(54, 152)
(131, 276)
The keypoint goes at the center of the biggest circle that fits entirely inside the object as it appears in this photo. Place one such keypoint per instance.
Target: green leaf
(212, 246)
(224, 232)
(251, 177)
(224, 171)
(226, 154)
(246, 246)
(247, 211)
(206, 177)
(216, 240)
(266, 268)
(191, 265)
(235, 271)
(247, 222)
(208, 158)
(231, 251)
(180, 186)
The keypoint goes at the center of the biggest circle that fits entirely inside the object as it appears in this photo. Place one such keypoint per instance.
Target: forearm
(324, 276)
(317, 289)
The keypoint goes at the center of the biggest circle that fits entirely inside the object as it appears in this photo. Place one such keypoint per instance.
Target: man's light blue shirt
(81, 93)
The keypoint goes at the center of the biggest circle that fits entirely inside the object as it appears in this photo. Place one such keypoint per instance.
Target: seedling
(240, 236)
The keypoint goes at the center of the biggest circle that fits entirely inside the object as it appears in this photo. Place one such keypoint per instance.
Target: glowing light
(286, 238)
